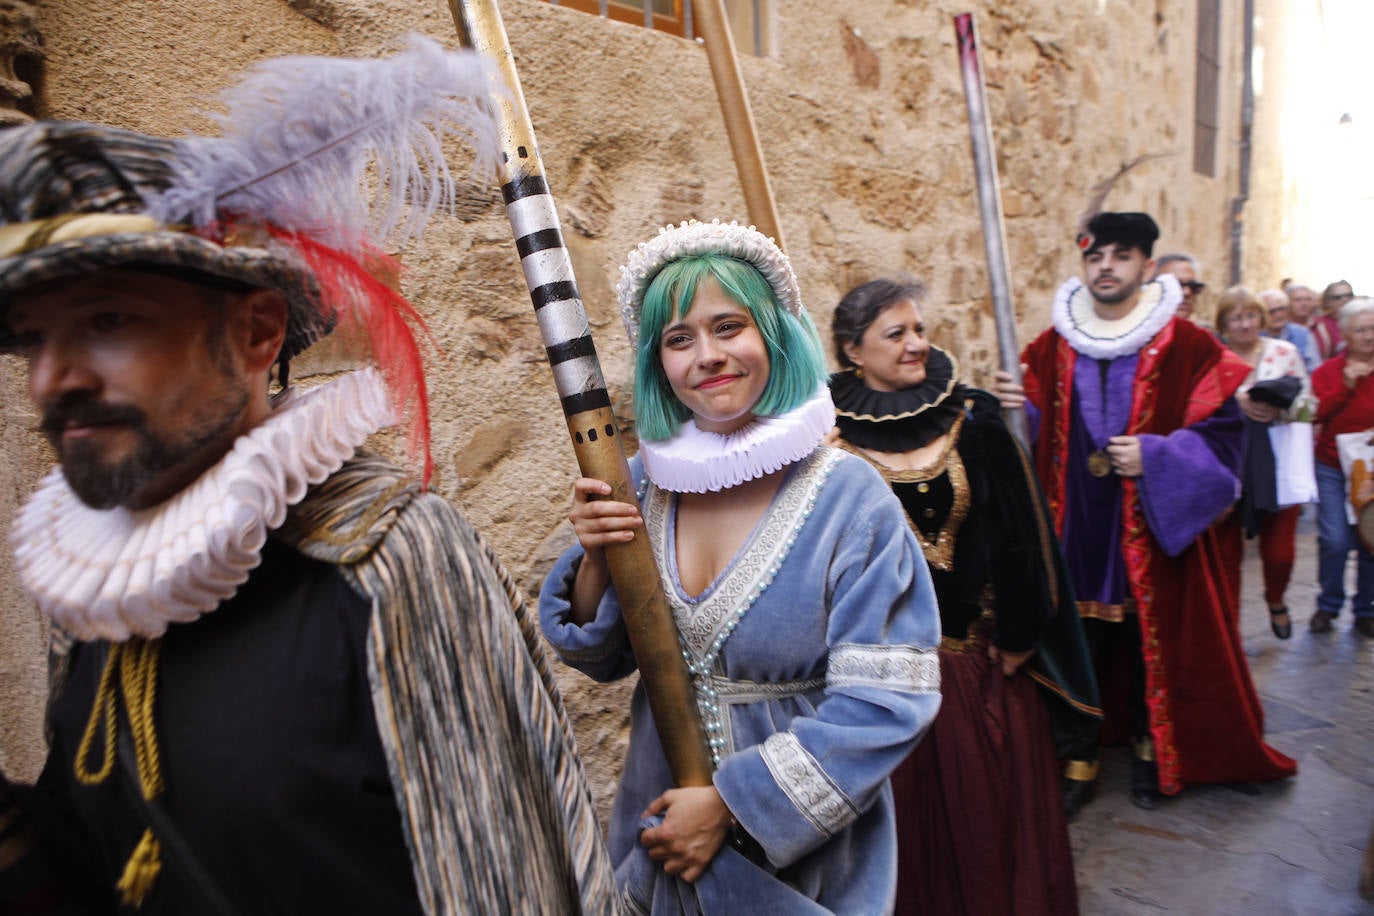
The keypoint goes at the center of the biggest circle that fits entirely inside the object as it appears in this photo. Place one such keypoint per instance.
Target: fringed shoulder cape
(492, 796)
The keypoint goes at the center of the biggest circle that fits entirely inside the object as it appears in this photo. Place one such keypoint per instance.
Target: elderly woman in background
(980, 827)
(1277, 391)
(1280, 324)
(1344, 386)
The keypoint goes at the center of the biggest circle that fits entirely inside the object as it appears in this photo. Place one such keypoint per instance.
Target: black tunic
(274, 770)
(993, 551)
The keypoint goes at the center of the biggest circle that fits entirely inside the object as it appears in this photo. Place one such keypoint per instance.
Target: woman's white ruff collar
(113, 574)
(696, 461)
(1078, 323)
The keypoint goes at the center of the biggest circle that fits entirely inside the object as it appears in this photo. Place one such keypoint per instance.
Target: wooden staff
(587, 404)
(990, 208)
(739, 118)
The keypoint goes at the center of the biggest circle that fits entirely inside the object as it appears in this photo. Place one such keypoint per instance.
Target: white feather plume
(346, 151)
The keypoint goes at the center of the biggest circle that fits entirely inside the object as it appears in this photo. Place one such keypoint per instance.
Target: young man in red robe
(1138, 447)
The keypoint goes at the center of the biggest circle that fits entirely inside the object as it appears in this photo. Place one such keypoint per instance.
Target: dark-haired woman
(980, 820)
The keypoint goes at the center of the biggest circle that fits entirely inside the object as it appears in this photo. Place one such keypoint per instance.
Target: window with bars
(749, 19)
(1206, 100)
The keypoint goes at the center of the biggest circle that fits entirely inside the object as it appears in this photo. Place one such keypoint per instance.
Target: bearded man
(287, 679)
(1138, 449)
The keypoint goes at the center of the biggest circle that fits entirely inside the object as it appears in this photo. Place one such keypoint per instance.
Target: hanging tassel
(130, 669)
(141, 871)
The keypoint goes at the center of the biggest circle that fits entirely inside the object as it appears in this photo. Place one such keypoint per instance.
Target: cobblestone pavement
(1287, 848)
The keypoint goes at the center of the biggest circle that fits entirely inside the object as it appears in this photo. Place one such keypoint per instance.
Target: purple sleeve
(1190, 477)
(1032, 424)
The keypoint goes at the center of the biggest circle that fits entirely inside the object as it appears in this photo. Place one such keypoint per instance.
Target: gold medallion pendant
(1099, 464)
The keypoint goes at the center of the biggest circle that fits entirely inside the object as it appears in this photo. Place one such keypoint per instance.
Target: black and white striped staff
(586, 403)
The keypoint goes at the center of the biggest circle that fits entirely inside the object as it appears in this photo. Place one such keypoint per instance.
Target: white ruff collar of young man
(697, 461)
(114, 574)
(1077, 321)
(744, 243)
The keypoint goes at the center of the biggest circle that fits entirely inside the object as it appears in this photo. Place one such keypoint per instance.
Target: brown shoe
(1321, 622)
(1365, 626)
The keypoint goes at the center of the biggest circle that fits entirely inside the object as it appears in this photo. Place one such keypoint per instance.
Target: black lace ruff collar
(899, 421)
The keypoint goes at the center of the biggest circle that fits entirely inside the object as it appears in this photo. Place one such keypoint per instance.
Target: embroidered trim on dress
(899, 668)
(978, 635)
(1098, 610)
(697, 461)
(1078, 323)
(806, 785)
(940, 553)
(704, 625)
(113, 574)
(731, 691)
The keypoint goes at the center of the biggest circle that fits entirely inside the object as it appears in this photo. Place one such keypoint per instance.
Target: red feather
(370, 311)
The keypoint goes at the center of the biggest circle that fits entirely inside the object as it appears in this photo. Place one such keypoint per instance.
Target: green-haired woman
(801, 597)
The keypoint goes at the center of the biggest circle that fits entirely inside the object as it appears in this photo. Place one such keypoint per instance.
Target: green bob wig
(795, 358)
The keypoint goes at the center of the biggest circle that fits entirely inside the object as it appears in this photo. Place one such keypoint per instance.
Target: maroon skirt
(980, 812)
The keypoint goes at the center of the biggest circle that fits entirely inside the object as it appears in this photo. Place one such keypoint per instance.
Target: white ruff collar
(1078, 323)
(696, 461)
(112, 574)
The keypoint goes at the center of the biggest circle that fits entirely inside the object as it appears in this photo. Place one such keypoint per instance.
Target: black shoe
(1281, 630)
(1365, 626)
(1321, 622)
(1145, 784)
(1077, 793)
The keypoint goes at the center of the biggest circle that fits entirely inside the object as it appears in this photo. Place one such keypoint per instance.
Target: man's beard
(1122, 292)
(104, 484)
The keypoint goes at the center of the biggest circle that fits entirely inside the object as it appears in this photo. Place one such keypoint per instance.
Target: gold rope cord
(135, 663)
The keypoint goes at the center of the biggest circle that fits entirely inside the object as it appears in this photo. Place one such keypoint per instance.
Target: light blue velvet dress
(814, 661)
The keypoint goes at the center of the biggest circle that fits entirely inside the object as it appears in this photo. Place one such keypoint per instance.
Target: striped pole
(586, 403)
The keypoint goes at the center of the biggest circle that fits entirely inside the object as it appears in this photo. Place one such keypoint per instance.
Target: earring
(858, 371)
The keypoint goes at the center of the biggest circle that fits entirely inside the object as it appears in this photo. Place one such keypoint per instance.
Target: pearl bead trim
(705, 625)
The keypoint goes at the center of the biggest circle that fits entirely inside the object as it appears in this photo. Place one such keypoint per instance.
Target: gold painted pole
(586, 403)
(739, 118)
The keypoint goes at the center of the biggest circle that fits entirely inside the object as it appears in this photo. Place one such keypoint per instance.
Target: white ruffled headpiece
(694, 238)
(112, 574)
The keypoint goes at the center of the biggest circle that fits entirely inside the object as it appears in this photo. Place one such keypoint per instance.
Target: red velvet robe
(1205, 717)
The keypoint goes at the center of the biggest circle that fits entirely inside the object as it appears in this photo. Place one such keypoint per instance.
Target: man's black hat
(1128, 230)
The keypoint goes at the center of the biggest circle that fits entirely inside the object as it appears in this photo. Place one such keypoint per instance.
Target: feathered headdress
(1086, 237)
(322, 164)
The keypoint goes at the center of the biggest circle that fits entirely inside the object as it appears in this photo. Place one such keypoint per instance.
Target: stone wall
(862, 116)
